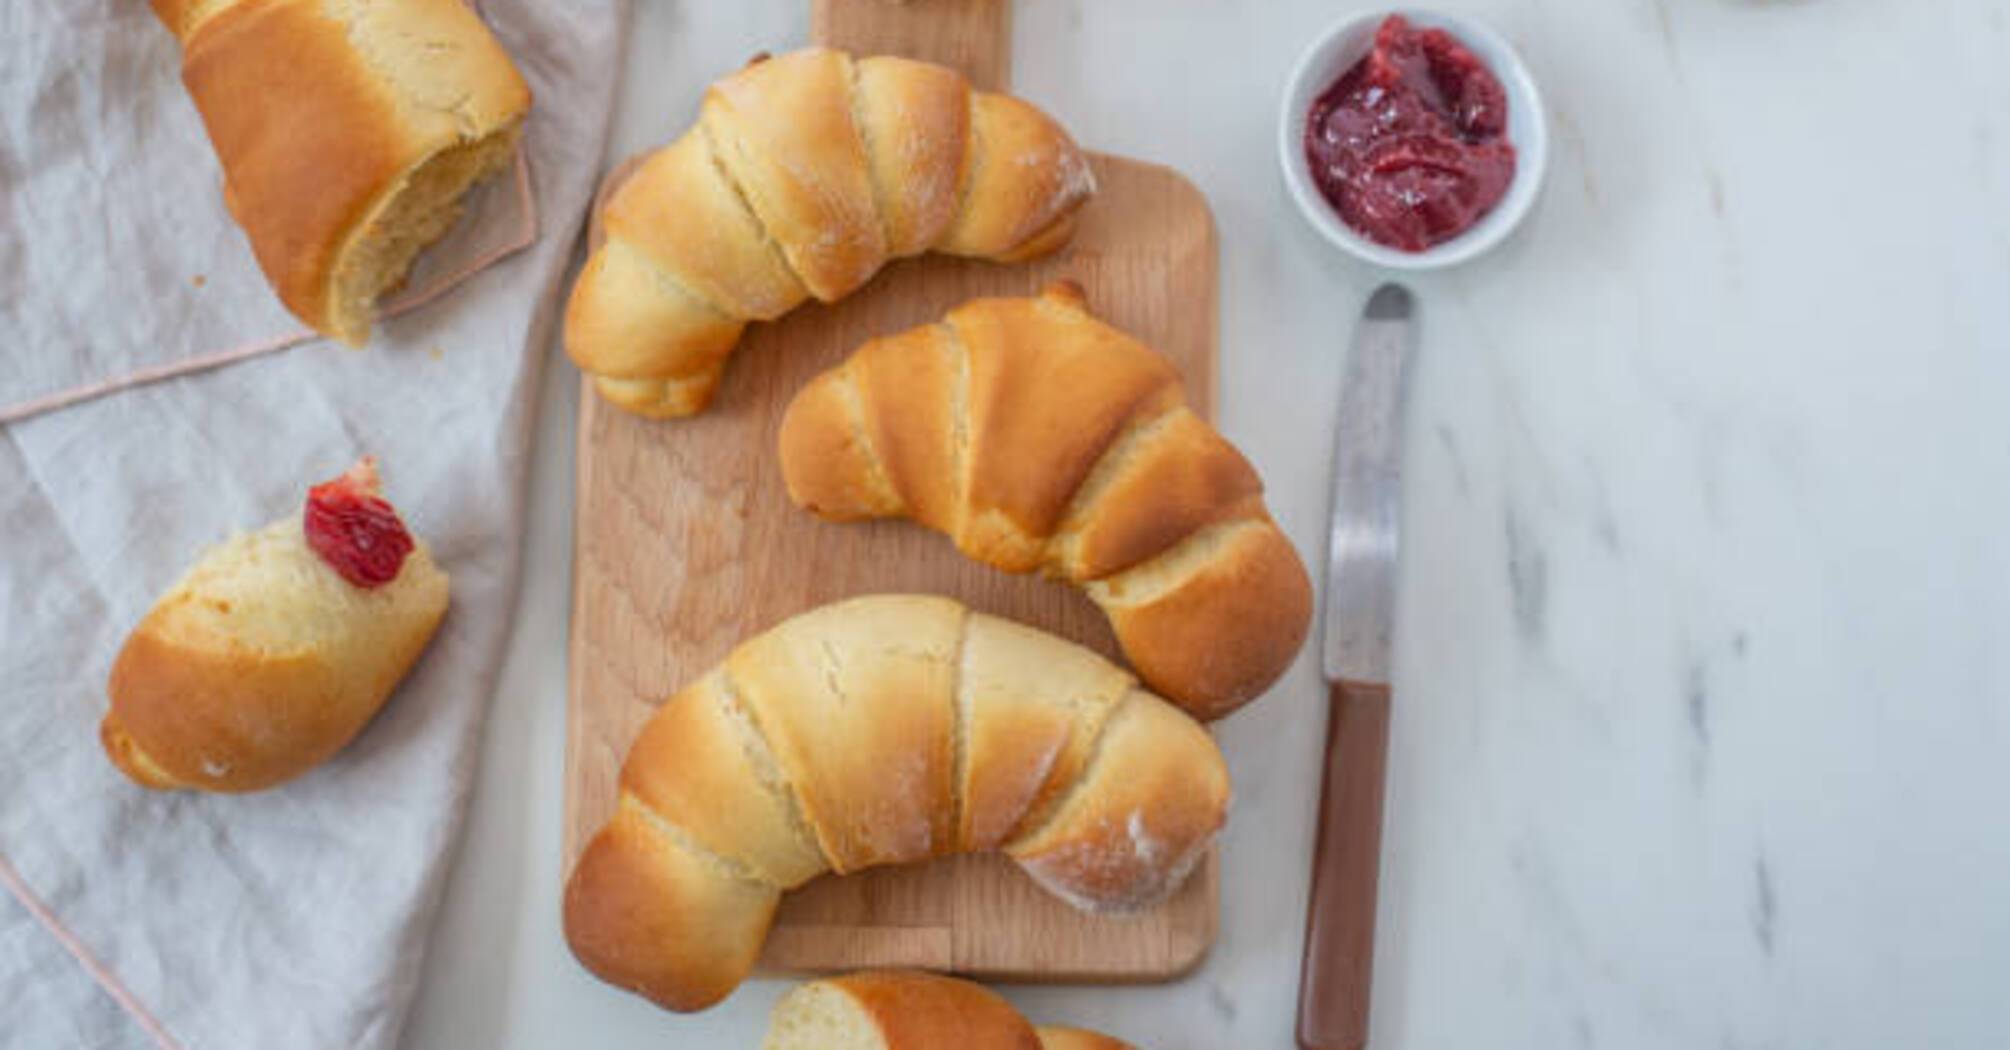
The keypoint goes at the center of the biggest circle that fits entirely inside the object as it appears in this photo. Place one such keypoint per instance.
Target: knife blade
(1336, 976)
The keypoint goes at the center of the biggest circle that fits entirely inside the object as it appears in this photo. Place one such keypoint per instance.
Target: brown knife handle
(1340, 918)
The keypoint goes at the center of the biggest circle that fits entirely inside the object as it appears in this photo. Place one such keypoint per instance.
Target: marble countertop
(1703, 703)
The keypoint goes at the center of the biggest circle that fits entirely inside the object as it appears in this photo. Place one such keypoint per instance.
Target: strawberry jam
(354, 530)
(1410, 145)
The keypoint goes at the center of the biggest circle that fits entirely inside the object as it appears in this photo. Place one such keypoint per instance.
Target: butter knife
(1333, 991)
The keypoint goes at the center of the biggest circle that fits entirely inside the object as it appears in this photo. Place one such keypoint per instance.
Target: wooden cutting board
(686, 543)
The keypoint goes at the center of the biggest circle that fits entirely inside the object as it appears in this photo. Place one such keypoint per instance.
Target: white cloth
(295, 917)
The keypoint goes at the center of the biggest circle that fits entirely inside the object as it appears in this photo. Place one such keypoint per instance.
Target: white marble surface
(1703, 698)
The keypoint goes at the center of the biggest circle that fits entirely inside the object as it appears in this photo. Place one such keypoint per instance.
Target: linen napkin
(295, 917)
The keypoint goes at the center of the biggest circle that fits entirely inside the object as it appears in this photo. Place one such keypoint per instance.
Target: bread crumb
(199, 280)
(435, 352)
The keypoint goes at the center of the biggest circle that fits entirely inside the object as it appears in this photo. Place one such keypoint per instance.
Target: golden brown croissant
(805, 174)
(347, 133)
(277, 647)
(882, 730)
(910, 1010)
(1039, 438)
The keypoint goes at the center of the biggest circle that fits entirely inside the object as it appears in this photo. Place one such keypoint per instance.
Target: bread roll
(882, 730)
(896, 1010)
(348, 132)
(805, 174)
(265, 658)
(1040, 439)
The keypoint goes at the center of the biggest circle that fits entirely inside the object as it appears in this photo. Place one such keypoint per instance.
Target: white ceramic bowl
(1332, 54)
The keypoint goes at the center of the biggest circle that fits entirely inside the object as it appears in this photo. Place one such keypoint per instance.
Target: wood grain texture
(974, 36)
(686, 543)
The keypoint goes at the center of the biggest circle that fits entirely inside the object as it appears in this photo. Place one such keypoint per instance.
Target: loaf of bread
(276, 647)
(882, 730)
(909, 1010)
(1040, 439)
(348, 133)
(896, 1010)
(805, 174)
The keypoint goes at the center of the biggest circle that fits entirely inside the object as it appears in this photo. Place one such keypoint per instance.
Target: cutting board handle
(974, 36)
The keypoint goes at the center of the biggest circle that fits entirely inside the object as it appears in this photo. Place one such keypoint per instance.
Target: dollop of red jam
(1410, 145)
(355, 530)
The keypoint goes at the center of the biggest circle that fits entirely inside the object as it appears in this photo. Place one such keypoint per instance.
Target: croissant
(910, 1010)
(277, 647)
(348, 134)
(805, 174)
(1039, 438)
(896, 1010)
(882, 730)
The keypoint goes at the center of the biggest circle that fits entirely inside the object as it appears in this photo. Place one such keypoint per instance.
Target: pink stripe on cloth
(105, 978)
(527, 204)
